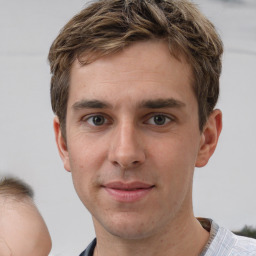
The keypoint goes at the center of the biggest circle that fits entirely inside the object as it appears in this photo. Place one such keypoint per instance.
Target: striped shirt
(223, 242)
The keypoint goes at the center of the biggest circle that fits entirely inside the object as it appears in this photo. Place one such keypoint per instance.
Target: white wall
(224, 190)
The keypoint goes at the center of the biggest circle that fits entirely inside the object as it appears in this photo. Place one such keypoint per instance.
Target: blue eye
(96, 120)
(159, 120)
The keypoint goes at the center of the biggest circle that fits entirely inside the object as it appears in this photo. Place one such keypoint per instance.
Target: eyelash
(167, 119)
(89, 119)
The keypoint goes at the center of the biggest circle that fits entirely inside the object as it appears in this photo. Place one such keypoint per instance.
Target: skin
(23, 230)
(146, 130)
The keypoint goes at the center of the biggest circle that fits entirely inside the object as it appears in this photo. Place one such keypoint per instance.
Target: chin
(128, 234)
(129, 227)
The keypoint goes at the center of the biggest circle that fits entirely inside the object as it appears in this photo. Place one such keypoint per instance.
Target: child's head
(23, 231)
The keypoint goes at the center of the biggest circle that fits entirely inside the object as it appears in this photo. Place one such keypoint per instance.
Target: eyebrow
(90, 104)
(162, 103)
(153, 104)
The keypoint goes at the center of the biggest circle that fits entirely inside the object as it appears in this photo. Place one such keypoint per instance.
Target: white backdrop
(224, 190)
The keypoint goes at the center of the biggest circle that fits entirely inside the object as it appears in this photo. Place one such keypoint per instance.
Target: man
(134, 86)
(22, 229)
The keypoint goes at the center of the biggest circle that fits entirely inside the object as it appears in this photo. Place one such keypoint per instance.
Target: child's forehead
(13, 201)
(10, 207)
(19, 217)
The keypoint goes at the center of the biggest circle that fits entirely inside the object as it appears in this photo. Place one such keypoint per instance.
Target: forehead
(17, 214)
(144, 66)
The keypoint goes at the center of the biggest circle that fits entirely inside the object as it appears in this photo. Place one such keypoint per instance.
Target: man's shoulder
(244, 246)
(223, 242)
(234, 245)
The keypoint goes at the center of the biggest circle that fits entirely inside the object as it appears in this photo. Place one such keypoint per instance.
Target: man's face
(23, 231)
(133, 139)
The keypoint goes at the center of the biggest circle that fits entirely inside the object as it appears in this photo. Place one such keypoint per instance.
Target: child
(23, 231)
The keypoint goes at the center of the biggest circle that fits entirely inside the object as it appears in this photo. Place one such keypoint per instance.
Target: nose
(126, 148)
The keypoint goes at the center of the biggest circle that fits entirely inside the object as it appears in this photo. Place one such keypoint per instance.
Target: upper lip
(128, 186)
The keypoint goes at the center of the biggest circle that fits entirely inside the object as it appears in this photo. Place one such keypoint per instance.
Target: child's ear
(61, 144)
(209, 138)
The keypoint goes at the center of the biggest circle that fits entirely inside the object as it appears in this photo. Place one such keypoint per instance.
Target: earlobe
(209, 138)
(61, 144)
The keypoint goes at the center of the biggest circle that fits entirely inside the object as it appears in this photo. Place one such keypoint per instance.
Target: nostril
(126, 155)
(126, 165)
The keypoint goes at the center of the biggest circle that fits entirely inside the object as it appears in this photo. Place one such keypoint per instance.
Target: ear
(209, 138)
(61, 144)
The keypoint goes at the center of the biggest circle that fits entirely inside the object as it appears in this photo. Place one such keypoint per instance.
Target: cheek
(86, 154)
(174, 162)
(174, 151)
(86, 159)
(84, 181)
(174, 159)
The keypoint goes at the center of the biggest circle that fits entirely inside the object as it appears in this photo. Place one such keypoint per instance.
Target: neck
(187, 238)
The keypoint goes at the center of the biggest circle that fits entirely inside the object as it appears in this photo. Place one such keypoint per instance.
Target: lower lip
(128, 195)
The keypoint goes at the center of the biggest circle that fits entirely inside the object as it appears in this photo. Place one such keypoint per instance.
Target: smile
(128, 192)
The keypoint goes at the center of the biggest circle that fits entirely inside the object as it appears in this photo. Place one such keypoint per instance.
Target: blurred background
(224, 190)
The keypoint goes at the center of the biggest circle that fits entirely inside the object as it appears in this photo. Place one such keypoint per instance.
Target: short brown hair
(15, 188)
(108, 26)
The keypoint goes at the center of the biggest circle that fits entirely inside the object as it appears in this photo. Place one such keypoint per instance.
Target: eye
(159, 120)
(96, 120)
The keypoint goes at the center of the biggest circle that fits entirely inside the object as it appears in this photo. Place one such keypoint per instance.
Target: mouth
(128, 192)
